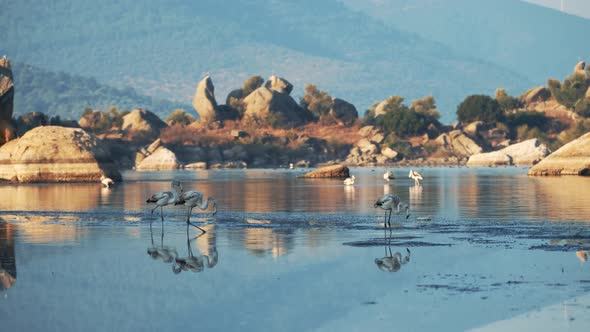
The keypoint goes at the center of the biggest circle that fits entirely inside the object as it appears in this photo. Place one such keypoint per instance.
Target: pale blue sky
(576, 7)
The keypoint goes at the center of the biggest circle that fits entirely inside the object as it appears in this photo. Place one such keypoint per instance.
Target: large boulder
(204, 100)
(537, 94)
(269, 107)
(56, 154)
(143, 122)
(579, 69)
(334, 171)
(7, 131)
(457, 143)
(571, 159)
(161, 159)
(279, 85)
(342, 113)
(524, 153)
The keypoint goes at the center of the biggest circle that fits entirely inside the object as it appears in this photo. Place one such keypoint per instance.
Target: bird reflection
(349, 192)
(195, 263)
(416, 194)
(392, 262)
(161, 252)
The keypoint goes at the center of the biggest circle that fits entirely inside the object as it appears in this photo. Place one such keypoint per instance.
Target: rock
(143, 122)
(571, 159)
(197, 165)
(154, 146)
(204, 101)
(279, 85)
(334, 171)
(378, 138)
(56, 154)
(302, 164)
(367, 131)
(537, 94)
(161, 159)
(389, 153)
(268, 107)
(381, 158)
(92, 120)
(238, 133)
(235, 94)
(7, 130)
(473, 128)
(524, 153)
(587, 95)
(458, 143)
(580, 69)
(225, 112)
(236, 152)
(343, 113)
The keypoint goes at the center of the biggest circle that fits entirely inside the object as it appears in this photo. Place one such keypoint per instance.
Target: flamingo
(389, 202)
(107, 182)
(164, 198)
(192, 199)
(388, 176)
(349, 181)
(416, 176)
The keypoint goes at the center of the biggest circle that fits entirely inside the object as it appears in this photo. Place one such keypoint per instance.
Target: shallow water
(284, 253)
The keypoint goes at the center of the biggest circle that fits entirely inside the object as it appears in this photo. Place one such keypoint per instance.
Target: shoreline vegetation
(261, 125)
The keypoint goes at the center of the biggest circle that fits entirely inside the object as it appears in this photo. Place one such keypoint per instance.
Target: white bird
(388, 202)
(107, 182)
(192, 199)
(349, 181)
(388, 176)
(291, 165)
(164, 198)
(416, 176)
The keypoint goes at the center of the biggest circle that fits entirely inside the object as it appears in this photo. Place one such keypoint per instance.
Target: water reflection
(197, 263)
(161, 252)
(391, 262)
(415, 193)
(582, 255)
(41, 197)
(7, 256)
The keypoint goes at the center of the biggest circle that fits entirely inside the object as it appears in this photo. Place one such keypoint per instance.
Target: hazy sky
(576, 7)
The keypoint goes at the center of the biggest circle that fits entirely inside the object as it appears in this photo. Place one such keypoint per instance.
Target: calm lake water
(501, 251)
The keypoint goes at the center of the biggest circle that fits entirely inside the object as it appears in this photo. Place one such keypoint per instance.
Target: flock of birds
(389, 202)
(177, 196)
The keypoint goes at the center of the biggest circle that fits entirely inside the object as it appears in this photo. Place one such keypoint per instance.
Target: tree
(403, 122)
(251, 84)
(479, 108)
(316, 101)
(506, 101)
(571, 91)
(181, 117)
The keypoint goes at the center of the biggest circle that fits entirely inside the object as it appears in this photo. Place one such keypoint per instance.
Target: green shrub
(251, 84)
(571, 91)
(181, 117)
(479, 108)
(403, 122)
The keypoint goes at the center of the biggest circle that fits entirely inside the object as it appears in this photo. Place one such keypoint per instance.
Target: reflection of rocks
(80, 197)
(571, 159)
(7, 256)
(56, 154)
(262, 242)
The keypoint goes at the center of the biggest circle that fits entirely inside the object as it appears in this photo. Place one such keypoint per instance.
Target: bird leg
(389, 219)
(385, 220)
(188, 221)
(162, 213)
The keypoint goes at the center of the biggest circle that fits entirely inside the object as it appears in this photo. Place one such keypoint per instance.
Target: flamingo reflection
(392, 262)
(161, 252)
(195, 263)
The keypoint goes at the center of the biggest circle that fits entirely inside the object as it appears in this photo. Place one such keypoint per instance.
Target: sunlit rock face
(56, 154)
(524, 153)
(144, 123)
(204, 101)
(7, 131)
(334, 171)
(571, 159)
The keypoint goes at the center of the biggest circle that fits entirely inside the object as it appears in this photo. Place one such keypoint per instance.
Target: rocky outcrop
(334, 171)
(204, 101)
(524, 153)
(269, 107)
(579, 69)
(571, 159)
(458, 144)
(587, 95)
(56, 154)
(279, 85)
(342, 113)
(143, 122)
(161, 159)
(7, 130)
(537, 94)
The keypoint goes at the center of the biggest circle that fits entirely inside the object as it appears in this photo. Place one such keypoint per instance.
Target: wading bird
(390, 202)
(107, 182)
(349, 181)
(192, 199)
(388, 176)
(416, 176)
(164, 198)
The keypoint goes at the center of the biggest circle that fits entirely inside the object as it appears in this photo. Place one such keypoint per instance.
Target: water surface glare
(487, 248)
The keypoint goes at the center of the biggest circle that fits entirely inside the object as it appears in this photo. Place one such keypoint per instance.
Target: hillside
(531, 40)
(162, 48)
(39, 90)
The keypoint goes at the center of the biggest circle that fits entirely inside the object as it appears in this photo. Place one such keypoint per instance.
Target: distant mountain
(533, 41)
(66, 95)
(162, 48)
